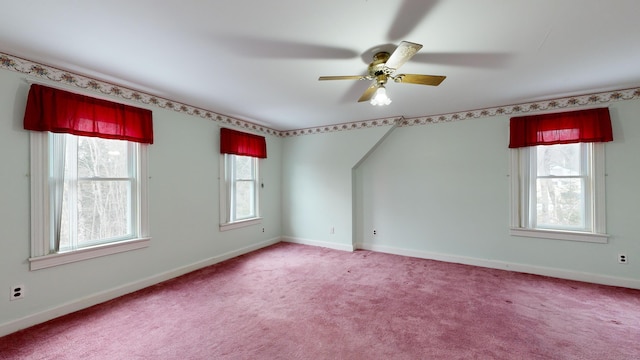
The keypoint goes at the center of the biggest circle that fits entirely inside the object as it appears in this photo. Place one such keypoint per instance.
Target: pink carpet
(293, 301)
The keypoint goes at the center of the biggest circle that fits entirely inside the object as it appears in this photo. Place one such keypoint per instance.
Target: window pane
(66, 221)
(102, 157)
(244, 199)
(559, 160)
(560, 203)
(103, 210)
(244, 167)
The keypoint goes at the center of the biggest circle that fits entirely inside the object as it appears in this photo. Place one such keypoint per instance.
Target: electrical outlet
(375, 232)
(622, 258)
(17, 292)
(332, 230)
(262, 229)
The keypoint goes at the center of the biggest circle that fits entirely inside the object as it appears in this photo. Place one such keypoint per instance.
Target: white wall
(184, 216)
(317, 185)
(441, 191)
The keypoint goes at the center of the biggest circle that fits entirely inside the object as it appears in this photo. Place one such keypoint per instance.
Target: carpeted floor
(293, 301)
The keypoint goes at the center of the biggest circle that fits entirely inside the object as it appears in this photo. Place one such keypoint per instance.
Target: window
(239, 195)
(88, 176)
(557, 175)
(559, 192)
(241, 188)
(89, 197)
(99, 192)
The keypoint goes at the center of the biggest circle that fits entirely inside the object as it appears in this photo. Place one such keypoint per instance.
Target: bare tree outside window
(560, 186)
(245, 184)
(97, 192)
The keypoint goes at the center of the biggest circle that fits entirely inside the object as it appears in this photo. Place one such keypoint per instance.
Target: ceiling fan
(383, 67)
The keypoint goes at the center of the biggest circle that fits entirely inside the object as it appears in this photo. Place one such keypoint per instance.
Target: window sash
(585, 175)
(74, 242)
(68, 156)
(232, 183)
(235, 210)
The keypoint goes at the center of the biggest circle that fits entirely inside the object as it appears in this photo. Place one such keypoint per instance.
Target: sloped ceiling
(259, 61)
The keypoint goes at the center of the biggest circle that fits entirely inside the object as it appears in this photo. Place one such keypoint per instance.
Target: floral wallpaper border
(36, 70)
(602, 98)
(67, 78)
(343, 127)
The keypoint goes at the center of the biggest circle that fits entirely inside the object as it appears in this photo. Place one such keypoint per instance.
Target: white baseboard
(326, 244)
(503, 265)
(94, 299)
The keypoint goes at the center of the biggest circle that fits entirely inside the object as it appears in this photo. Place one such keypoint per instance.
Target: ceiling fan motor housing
(377, 68)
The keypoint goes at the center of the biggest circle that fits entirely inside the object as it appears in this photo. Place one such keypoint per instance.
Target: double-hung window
(88, 191)
(100, 202)
(558, 189)
(241, 173)
(239, 190)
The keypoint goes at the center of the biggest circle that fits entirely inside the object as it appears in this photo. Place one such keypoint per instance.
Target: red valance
(241, 143)
(61, 111)
(593, 125)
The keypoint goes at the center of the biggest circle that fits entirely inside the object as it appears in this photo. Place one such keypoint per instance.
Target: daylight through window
(99, 191)
(241, 187)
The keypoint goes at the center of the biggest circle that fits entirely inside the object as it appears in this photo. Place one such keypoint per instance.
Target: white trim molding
(47, 261)
(561, 235)
(510, 266)
(240, 224)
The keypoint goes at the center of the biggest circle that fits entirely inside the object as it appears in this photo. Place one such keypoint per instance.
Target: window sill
(561, 235)
(47, 261)
(240, 224)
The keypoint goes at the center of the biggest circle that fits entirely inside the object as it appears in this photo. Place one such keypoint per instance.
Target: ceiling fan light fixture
(380, 98)
(383, 67)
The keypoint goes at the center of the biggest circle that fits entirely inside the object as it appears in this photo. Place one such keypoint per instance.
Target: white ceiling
(260, 60)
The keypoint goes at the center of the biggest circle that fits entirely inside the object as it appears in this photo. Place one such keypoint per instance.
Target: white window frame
(227, 193)
(521, 182)
(41, 225)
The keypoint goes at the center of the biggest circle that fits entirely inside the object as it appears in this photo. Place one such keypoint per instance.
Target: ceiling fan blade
(409, 15)
(368, 94)
(470, 59)
(347, 77)
(402, 54)
(258, 47)
(433, 80)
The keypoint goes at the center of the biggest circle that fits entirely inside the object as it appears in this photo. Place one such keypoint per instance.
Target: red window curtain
(241, 143)
(593, 125)
(61, 111)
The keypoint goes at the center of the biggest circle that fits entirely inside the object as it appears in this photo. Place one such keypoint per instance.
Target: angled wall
(317, 185)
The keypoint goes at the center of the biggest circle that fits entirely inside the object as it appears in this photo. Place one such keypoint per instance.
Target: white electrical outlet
(622, 258)
(17, 292)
